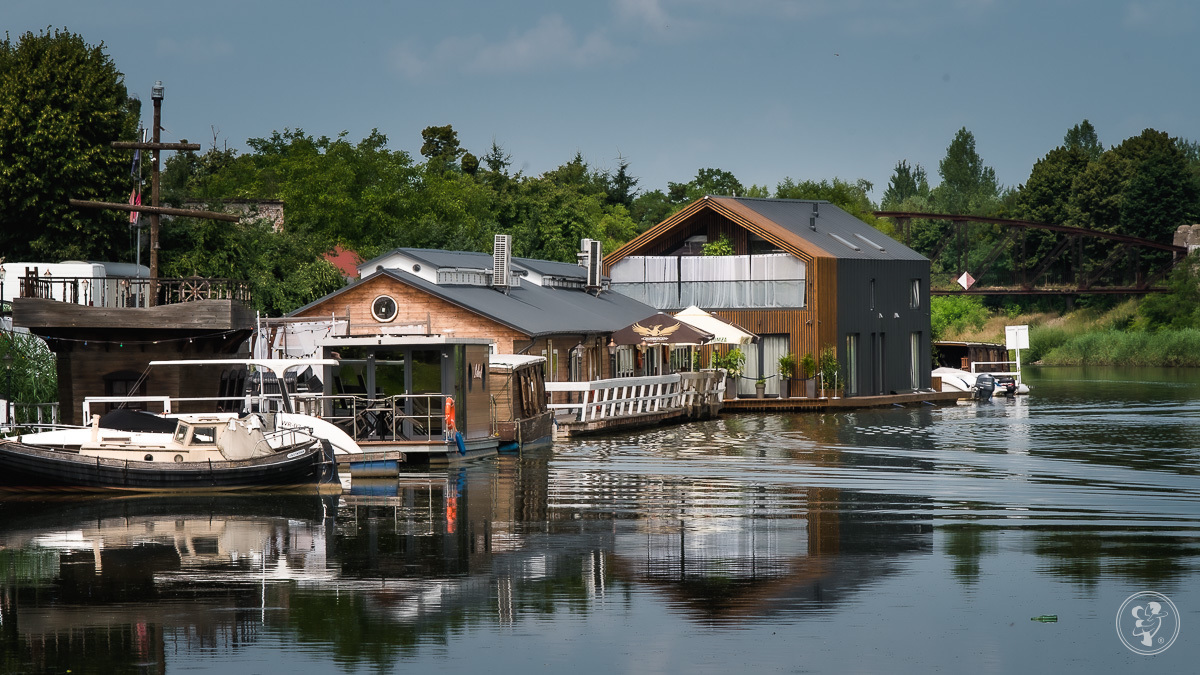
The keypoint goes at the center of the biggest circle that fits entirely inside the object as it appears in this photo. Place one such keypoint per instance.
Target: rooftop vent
(501, 260)
(812, 220)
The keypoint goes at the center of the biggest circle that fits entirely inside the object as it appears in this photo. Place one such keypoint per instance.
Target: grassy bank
(1089, 337)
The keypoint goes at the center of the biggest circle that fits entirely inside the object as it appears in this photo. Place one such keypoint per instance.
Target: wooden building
(543, 308)
(805, 276)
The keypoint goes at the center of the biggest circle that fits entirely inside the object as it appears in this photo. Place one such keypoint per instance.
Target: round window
(383, 308)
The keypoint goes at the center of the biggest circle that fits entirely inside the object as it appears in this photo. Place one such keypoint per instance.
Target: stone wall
(1189, 236)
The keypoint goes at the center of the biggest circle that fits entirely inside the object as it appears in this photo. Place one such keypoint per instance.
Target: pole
(157, 95)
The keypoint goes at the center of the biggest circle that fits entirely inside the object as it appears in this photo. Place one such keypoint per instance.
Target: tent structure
(660, 329)
(723, 333)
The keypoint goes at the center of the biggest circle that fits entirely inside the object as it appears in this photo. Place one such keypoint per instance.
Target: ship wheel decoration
(193, 289)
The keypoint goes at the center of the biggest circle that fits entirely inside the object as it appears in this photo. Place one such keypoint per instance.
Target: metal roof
(552, 268)
(838, 232)
(536, 310)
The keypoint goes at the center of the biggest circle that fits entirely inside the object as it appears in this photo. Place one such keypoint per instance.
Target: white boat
(203, 451)
(954, 379)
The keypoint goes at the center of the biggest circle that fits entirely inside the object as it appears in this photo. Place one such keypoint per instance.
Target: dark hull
(30, 467)
(528, 430)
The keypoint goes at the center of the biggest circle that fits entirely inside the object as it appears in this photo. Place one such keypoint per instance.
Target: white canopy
(723, 333)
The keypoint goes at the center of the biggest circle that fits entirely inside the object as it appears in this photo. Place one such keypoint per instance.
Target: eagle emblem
(655, 331)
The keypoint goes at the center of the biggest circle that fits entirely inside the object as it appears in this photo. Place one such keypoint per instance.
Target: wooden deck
(805, 404)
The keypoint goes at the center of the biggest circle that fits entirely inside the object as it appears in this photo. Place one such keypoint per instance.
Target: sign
(1016, 337)
(966, 281)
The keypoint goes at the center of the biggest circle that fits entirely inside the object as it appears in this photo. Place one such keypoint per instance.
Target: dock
(777, 404)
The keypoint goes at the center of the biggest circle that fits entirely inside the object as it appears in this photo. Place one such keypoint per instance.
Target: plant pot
(785, 387)
(760, 390)
(730, 388)
(810, 387)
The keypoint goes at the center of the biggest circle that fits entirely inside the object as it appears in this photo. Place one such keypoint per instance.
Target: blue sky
(767, 89)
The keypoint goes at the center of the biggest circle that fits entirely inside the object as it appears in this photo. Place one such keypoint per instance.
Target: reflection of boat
(204, 451)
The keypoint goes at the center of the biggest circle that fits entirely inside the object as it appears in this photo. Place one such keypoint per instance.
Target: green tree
(440, 145)
(33, 378)
(716, 182)
(968, 186)
(62, 104)
(1083, 137)
(853, 198)
(906, 182)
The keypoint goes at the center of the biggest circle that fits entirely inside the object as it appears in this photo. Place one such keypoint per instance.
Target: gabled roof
(785, 223)
(531, 309)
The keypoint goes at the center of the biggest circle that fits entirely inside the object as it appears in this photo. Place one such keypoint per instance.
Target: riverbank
(1091, 337)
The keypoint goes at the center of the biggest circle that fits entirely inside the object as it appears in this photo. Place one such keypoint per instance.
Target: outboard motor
(985, 384)
(1007, 385)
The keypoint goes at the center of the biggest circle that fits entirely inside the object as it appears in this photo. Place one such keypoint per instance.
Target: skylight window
(869, 242)
(845, 242)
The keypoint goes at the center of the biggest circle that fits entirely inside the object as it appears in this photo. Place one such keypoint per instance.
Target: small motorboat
(984, 387)
(204, 451)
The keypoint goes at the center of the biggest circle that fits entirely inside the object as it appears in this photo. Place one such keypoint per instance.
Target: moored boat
(204, 452)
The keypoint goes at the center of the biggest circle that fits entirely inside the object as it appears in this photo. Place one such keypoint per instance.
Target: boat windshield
(204, 435)
(180, 432)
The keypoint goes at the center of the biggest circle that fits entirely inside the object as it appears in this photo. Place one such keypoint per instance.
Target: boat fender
(458, 440)
(450, 425)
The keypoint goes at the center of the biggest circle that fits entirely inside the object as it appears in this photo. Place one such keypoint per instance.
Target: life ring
(450, 425)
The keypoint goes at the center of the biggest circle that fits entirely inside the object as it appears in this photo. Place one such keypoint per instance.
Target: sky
(765, 89)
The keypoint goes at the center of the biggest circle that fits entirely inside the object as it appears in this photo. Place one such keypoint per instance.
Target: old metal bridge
(1003, 256)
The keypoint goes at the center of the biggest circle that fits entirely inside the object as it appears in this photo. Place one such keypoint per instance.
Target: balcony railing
(132, 291)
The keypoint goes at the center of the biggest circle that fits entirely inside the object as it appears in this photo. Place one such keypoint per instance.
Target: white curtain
(713, 282)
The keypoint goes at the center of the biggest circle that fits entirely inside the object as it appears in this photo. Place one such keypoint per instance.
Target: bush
(1166, 348)
(953, 314)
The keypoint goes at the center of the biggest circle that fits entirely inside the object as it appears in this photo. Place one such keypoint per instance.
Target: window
(383, 308)
(124, 383)
(871, 295)
(915, 367)
(914, 300)
(204, 435)
(852, 362)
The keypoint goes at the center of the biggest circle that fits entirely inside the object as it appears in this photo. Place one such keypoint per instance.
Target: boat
(203, 452)
(955, 379)
(522, 418)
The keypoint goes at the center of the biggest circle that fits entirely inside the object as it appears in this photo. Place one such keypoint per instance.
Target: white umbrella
(723, 333)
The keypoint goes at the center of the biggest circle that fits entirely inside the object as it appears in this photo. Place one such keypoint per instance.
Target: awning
(724, 333)
(661, 329)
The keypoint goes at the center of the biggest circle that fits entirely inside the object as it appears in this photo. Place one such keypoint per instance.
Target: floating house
(804, 275)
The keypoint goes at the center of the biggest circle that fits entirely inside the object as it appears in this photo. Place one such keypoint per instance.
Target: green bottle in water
(1045, 618)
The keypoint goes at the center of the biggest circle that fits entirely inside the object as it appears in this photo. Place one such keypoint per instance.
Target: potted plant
(760, 388)
(787, 371)
(830, 372)
(732, 361)
(808, 366)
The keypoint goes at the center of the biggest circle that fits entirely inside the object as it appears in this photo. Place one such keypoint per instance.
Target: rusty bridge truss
(1020, 257)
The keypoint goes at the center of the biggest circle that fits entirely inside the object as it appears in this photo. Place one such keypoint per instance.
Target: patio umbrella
(660, 329)
(723, 333)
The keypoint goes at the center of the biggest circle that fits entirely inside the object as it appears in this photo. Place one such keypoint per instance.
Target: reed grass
(1168, 348)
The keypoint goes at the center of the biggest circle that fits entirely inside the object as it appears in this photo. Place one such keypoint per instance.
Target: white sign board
(1016, 337)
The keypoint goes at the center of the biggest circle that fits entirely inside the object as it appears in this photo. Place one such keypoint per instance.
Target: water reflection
(750, 522)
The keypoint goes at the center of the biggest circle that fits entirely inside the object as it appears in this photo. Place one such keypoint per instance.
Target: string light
(121, 343)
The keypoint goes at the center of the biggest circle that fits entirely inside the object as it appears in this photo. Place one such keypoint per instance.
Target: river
(910, 539)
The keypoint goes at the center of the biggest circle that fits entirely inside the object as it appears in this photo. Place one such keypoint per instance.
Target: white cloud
(551, 44)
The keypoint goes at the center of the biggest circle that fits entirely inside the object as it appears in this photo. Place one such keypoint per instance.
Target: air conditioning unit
(501, 259)
(595, 258)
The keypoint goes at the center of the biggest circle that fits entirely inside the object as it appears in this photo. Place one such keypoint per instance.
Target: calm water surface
(897, 540)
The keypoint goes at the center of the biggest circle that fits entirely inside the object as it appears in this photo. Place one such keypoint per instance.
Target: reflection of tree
(1082, 557)
(966, 543)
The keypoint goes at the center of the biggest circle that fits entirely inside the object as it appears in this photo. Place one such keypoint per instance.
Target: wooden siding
(201, 315)
(415, 306)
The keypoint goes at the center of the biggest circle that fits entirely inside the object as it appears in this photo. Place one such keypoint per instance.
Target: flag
(135, 199)
(966, 281)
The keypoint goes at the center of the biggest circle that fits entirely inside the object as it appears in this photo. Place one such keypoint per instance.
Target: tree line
(62, 102)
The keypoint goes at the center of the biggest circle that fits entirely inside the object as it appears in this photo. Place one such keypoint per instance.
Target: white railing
(620, 397)
(1016, 374)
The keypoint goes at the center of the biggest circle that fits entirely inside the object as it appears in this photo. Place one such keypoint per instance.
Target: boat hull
(31, 467)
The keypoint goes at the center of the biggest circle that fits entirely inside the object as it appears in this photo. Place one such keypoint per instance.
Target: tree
(62, 104)
(906, 182)
(715, 182)
(1082, 137)
(440, 144)
(968, 186)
